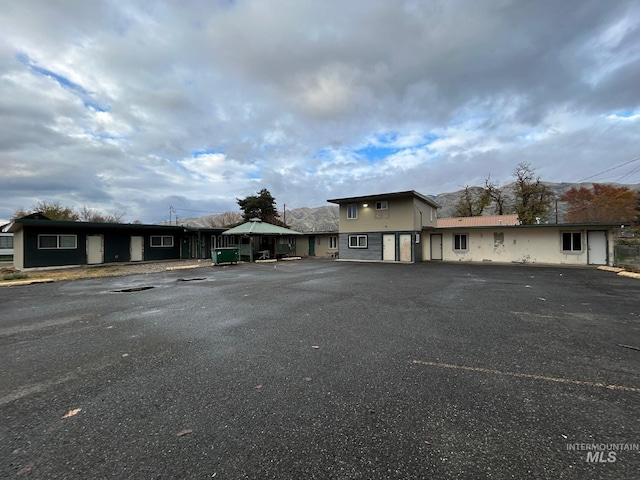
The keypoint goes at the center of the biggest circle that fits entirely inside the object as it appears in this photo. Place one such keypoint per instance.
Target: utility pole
(284, 213)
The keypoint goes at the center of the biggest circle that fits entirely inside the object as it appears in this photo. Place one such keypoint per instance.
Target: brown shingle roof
(485, 221)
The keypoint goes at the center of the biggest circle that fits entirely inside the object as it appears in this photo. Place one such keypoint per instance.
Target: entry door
(136, 249)
(597, 247)
(405, 247)
(389, 247)
(312, 246)
(95, 249)
(436, 246)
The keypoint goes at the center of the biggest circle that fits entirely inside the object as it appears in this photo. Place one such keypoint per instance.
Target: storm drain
(134, 289)
(190, 279)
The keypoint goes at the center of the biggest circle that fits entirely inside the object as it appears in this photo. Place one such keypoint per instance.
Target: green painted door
(185, 248)
(312, 246)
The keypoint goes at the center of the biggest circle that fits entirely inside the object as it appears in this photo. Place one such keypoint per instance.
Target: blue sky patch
(205, 151)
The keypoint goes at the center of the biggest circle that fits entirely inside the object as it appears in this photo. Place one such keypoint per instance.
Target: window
(357, 241)
(382, 205)
(571, 242)
(460, 241)
(352, 211)
(226, 241)
(49, 242)
(6, 242)
(333, 242)
(161, 241)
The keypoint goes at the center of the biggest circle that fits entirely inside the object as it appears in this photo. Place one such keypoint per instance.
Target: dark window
(382, 205)
(571, 242)
(57, 241)
(161, 241)
(357, 241)
(460, 241)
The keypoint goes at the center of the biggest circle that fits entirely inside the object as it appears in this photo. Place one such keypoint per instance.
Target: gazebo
(264, 240)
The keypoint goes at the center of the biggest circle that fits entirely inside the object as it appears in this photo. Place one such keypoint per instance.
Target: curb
(11, 283)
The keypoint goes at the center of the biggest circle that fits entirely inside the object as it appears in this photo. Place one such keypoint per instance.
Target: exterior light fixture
(365, 205)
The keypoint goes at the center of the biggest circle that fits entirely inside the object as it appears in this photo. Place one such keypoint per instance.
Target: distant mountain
(325, 219)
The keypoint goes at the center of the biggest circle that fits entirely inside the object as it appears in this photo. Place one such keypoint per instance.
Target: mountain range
(325, 218)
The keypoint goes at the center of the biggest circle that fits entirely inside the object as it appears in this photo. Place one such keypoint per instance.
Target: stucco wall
(321, 246)
(528, 245)
(402, 214)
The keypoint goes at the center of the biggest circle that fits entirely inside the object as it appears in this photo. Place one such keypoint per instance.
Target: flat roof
(479, 221)
(18, 223)
(567, 226)
(384, 196)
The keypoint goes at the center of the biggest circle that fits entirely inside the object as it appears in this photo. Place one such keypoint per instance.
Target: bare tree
(532, 198)
(472, 202)
(225, 219)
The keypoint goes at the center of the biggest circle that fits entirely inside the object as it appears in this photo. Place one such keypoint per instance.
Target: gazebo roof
(255, 226)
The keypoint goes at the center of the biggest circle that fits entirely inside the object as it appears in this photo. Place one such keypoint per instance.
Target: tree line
(534, 201)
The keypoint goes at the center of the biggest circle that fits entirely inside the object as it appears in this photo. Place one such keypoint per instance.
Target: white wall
(517, 244)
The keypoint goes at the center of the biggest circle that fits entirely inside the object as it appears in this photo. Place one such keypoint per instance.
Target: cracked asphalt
(322, 369)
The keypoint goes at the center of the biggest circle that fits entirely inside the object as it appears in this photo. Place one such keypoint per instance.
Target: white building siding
(518, 244)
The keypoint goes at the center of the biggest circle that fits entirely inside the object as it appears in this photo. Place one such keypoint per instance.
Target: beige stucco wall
(528, 245)
(321, 244)
(403, 214)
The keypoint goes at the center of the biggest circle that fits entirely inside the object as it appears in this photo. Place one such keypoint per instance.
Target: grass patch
(14, 276)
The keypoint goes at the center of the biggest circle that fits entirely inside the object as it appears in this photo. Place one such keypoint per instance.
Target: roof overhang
(386, 196)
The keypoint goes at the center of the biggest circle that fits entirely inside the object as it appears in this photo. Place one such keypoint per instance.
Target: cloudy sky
(142, 105)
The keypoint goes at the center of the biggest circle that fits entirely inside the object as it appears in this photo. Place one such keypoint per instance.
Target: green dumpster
(225, 255)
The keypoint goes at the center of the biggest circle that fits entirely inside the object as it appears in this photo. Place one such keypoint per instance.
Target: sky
(139, 106)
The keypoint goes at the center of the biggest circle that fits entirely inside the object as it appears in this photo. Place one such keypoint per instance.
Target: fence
(626, 255)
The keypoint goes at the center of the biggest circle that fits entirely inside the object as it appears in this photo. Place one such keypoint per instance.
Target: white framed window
(57, 242)
(417, 238)
(161, 241)
(333, 242)
(382, 205)
(357, 241)
(460, 242)
(352, 211)
(6, 242)
(571, 242)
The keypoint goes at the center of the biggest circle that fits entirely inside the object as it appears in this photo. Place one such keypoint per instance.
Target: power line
(609, 169)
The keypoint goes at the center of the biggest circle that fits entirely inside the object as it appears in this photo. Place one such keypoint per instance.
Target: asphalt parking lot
(323, 369)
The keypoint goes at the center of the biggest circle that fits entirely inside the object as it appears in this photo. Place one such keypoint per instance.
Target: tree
(472, 202)
(602, 203)
(55, 211)
(532, 198)
(262, 206)
(496, 196)
(224, 220)
(88, 214)
(52, 210)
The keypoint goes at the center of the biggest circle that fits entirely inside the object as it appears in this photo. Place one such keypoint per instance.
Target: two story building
(384, 227)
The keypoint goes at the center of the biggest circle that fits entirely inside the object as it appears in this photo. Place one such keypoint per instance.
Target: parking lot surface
(323, 369)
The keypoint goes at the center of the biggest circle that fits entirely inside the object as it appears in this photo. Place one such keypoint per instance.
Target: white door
(405, 247)
(95, 250)
(137, 249)
(389, 247)
(436, 246)
(597, 247)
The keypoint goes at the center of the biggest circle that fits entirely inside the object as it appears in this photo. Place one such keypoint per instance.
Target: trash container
(225, 255)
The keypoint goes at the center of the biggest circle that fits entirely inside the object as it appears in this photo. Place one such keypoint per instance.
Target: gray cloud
(146, 104)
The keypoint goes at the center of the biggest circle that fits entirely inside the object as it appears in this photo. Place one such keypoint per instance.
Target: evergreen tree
(262, 206)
